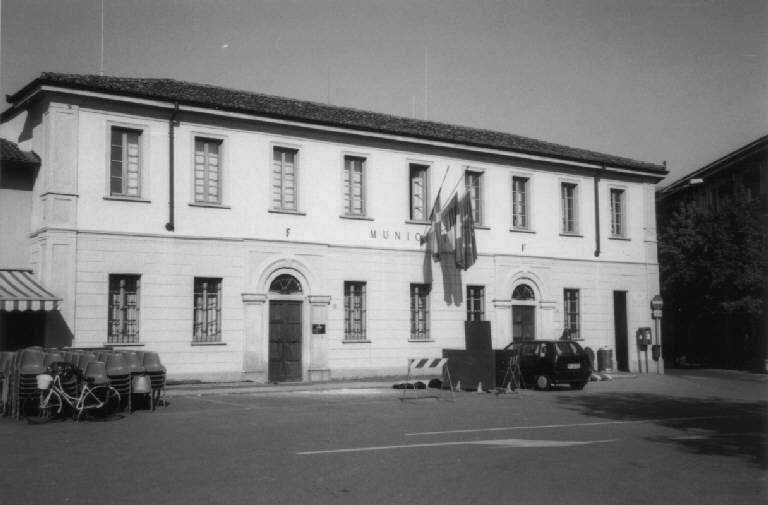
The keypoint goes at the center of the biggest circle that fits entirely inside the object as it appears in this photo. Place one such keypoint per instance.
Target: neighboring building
(239, 232)
(719, 339)
(28, 312)
(742, 174)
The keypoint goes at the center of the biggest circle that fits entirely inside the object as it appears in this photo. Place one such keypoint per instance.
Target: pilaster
(256, 342)
(502, 331)
(318, 345)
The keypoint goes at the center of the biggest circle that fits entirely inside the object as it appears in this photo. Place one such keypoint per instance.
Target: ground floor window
(571, 310)
(123, 309)
(420, 311)
(207, 311)
(354, 311)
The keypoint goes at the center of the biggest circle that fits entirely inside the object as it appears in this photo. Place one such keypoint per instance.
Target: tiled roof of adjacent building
(9, 151)
(215, 97)
(755, 148)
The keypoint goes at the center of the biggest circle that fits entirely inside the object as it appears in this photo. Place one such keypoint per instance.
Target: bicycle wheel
(47, 407)
(101, 402)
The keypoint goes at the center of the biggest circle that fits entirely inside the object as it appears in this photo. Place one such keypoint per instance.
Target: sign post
(657, 304)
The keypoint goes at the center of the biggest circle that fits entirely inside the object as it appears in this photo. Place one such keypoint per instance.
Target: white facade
(80, 235)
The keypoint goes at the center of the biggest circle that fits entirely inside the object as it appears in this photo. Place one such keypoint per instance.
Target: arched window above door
(523, 292)
(285, 284)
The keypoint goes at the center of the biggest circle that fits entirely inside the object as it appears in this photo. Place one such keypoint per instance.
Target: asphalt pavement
(689, 437)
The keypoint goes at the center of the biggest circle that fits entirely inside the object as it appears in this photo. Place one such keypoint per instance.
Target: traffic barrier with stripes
(435, 365)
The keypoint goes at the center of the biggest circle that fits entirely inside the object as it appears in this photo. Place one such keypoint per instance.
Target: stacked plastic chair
(141, 386)
(28, 364)
(156, 373)
(132, 373)
(96, 373)
(6, 365)
(83, 359)
(119, 373)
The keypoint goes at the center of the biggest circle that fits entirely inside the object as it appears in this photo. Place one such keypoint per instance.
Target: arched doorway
(523, 313)
(285, 329)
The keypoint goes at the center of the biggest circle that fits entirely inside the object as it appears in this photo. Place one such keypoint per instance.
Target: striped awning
(20, 291)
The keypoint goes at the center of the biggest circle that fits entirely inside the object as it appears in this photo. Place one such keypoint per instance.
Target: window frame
(572, 318)
(204, 336)
(346, 198)
(424, 167)
(419, 312)
(208, 138)
(473, 301)
(350, 295)
(475, 193)
(143, 146)
(528, 227)
(279, 146)
(123, 322)
(574, 210)
(623, 219)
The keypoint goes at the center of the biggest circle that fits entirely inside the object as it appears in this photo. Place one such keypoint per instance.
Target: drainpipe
(597, 210)
(170, 225)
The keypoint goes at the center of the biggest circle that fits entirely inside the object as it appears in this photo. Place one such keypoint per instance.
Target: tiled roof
(9, 151)
(216, 97)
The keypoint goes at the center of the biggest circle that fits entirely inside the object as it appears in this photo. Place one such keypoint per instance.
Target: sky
(684, 82)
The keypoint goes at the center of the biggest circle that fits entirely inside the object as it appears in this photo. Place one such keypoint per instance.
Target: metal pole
(656, 320)
(646, 360)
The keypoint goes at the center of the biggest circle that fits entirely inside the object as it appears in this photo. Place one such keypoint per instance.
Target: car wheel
(543, 382)
(578, 385)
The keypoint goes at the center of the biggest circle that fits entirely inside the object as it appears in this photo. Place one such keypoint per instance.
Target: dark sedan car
(544, 363)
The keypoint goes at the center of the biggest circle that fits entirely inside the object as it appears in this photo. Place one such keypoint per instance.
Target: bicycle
(99, 401)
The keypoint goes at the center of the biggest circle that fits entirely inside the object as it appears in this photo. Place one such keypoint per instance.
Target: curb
(605, 376)
(249, 388)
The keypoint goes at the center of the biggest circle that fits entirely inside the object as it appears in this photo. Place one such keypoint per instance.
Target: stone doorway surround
(314, 350)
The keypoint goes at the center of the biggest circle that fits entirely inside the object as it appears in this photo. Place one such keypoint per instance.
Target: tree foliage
(713, 261)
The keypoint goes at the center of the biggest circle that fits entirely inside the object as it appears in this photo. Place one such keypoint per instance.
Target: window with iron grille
(420, 311)
(568, 200)
(520, 203)
(123, 317)
(571, 310)
(207, 170)
(354, 190)
(284, 178)
(419, 197)
(473, 183)
(475, 303)
(354, 312)
(617, 213)
(207, 311)
(125, 163)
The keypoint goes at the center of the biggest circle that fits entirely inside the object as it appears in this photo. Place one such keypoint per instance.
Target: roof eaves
(717, 165)
(229, 100)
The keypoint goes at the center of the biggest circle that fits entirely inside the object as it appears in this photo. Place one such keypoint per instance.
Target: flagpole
(432, 207)
(445, 175)
(101, 51)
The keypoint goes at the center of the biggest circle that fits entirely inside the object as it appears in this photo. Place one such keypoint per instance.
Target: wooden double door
(284, 341)
(523, 322)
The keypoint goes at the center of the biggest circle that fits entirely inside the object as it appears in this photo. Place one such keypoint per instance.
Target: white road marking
(509, 442)
(207, 399)
(572, 425)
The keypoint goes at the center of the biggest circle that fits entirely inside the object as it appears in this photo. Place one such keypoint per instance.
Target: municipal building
(246, 235)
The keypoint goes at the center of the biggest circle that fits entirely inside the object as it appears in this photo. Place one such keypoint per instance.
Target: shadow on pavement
(708, 426)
